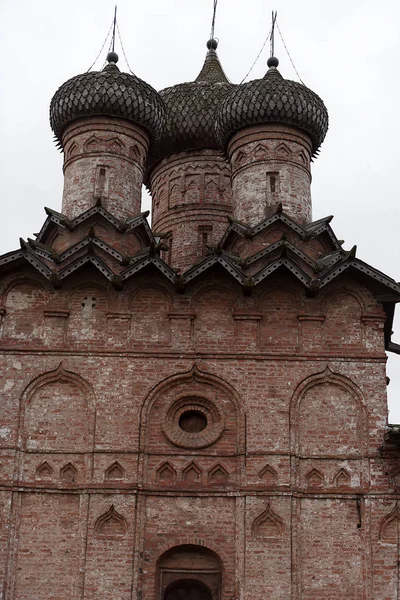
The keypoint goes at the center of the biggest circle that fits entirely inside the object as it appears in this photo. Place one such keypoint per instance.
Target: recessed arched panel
(328, 417)
(329, 421)
(192, 410)
(150, 323)
(87, 318)
(58, 413)
(279, 326)
(342, 323)
(23, 320)
(214, 323)
(389, 530)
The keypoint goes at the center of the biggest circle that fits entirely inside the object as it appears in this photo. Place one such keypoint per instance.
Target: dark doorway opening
(187, 589)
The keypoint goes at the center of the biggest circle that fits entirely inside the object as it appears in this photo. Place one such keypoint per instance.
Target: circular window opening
(192, 421)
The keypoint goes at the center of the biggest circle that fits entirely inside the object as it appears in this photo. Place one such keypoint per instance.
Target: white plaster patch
(4, 432)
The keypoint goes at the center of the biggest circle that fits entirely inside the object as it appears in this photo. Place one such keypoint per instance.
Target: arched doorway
(189, 572)
(187, 589)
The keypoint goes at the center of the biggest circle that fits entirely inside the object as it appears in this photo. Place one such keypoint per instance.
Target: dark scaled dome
(191, 108)
(108, 93)
(273, 99)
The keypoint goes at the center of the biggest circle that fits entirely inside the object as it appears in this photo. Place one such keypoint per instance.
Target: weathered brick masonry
(207, 419)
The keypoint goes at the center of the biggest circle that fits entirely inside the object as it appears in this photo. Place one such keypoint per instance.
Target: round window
(192, 421)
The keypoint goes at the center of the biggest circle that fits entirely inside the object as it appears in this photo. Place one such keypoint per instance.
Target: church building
(196, 409)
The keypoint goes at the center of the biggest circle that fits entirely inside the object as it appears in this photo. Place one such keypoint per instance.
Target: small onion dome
(273, 100)
(191, 108)
(108, 93)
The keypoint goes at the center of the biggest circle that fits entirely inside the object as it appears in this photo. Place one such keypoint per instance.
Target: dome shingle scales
(191, 108)
(108, 93)
(273, 99)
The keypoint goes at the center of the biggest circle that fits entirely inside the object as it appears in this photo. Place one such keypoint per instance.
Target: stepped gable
(107, 93)
(87, 241)
(273, 99)
(191, 108)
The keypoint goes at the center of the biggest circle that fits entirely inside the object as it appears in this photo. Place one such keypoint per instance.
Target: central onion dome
(273, 99)
(191, 108)
(108, 93)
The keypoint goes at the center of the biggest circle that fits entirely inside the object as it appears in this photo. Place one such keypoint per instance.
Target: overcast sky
(346, 51)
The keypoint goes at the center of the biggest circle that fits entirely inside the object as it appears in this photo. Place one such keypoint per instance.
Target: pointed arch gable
(356, 421)
(61, 404)
(195, 374)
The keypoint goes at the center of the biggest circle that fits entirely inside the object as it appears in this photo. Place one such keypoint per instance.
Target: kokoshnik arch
(194, 410)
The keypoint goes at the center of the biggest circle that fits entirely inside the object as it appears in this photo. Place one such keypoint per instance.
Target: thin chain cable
(123, 49)
(287, 52)
(213, 20)
(101, 49)
(258, 56)
(110, 45)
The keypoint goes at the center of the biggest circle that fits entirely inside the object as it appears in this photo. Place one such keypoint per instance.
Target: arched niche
(389, 530)
(342, 326)
(164, 411)
(267, 525)
(279, 326)
(214, 323)
(111, 524)
(58, 413)
(189, 572)
(24, 304)
(150, 324)
(87, 314)
(328, 417)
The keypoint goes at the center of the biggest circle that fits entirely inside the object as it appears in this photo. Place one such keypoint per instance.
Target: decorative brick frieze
(191, 199)
(103, 162)
(270, 165)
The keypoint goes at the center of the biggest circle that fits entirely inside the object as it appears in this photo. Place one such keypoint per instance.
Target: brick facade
(201, 423)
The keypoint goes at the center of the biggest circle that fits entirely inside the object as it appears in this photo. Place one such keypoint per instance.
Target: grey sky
(347, 52)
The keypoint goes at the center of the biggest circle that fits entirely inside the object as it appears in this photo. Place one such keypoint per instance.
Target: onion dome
(107, 93)
(273, 99)
(191, 108)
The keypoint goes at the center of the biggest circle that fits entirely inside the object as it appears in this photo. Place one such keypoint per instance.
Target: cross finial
(112, 56)
(213, 20)
(114, 25)
(272, 43)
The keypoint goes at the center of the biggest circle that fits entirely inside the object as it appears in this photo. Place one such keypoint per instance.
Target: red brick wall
(192, 197)
(103, 158)
(270, 164)
(287, 485)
